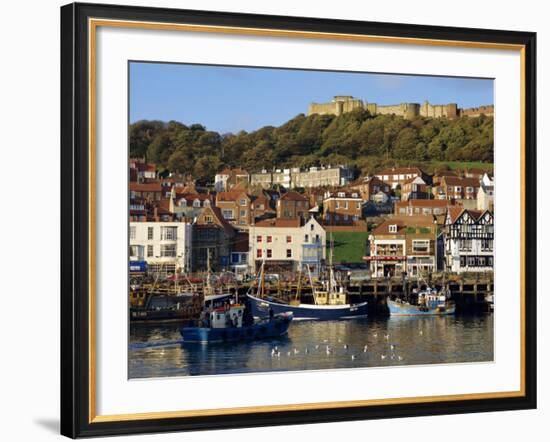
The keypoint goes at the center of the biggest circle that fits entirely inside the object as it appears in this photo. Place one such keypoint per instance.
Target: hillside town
(398, 221)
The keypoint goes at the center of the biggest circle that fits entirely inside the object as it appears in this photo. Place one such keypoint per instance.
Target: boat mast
(313, 291)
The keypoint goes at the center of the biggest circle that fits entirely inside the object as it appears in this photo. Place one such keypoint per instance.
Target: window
(289, 253)
(306, 238)
(134, 252)
(259, 238)
(345, 204)
(149, 251)
(208, 219)
(337, 204)
(242, 202)
(243, 213)
(421, 245)
(269, 253)
(311, 227)
(288, 239)
(269, 238)
(346, 217)
(358, 206)
(469, 189)
(132, 232)
(393, 228)
(227, 213)
(486, 244)
(196, 203)
(149, 232)
(258, 253)
(168, 232)
(168, 250)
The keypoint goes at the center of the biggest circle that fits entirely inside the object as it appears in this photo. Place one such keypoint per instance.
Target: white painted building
(165, 246)
(284, 244)
(220, 180)
(486, 193)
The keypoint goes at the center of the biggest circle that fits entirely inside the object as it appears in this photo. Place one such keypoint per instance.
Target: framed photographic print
(279, 220)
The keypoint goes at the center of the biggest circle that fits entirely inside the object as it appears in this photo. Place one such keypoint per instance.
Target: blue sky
(230, 99)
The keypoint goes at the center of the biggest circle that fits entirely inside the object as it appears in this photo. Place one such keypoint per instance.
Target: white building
(469, 238)
(165, 246)
(284, 244)
(220, 180)
(486, 193)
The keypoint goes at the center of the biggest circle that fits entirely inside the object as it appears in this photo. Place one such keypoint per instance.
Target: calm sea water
(157, 351)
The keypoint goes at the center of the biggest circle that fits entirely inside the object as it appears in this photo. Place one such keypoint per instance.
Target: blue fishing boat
(330, 302)
(230, 324)
(323, 312)
(429, 302)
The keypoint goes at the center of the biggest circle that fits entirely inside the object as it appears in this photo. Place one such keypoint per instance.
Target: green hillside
(357, 138)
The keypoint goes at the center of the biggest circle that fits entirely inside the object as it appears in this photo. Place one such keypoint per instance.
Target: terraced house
(342, 207)
(456, 188)
(401, 245)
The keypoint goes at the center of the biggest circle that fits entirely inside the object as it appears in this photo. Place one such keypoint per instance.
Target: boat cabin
(336, 297)
(228, 316)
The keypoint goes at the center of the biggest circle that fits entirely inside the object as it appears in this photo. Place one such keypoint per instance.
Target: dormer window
(393, 228)
(197, 203)
(341, 194)
(354, 195)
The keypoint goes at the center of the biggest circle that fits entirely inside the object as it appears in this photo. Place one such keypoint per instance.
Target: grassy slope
(348, 246)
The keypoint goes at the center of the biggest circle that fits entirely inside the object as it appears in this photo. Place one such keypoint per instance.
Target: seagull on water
(392, 346)
(382, 357)
(365, 348)
(352, 357)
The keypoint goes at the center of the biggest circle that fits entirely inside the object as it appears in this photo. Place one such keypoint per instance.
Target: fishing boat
(230, 324)
(330, 303)
(428, 302)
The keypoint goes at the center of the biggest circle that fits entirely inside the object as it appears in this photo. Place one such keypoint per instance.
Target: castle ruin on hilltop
(341, 104)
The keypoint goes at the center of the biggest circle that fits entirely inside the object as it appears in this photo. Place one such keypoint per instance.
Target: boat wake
(141, 345)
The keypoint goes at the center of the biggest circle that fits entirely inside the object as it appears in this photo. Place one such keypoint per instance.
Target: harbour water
(157, 350)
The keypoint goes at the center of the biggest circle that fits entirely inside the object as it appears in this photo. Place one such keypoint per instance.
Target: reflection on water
(157, 351)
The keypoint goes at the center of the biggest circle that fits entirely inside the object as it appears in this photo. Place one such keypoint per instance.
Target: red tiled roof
(278, 222)
(193, 196)
(402, 223)
(293, 196)
(230, 195)
(464, 182)
(145, 187)
(456, 212)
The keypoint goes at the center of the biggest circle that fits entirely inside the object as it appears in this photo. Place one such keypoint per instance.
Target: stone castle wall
(345, 103)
